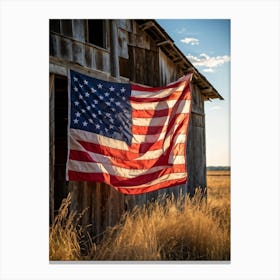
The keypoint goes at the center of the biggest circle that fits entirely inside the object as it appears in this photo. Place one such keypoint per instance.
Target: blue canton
(101, 107)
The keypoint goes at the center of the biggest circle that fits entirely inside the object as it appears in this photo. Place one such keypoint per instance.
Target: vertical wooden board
(138, 67)
(96, 204)
(99, 59)
(125, 24)
(131, 54)
(152, 68)
(79, 53)
(55, 43)
(79, 30)
(123, 43)
(89, 57)
(106, 62)
(167, 69)
(66, 49)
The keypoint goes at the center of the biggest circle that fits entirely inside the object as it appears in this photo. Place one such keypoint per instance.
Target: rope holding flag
(128, 136)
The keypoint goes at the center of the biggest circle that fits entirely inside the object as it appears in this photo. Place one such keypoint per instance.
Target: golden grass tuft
(67, 239)
(167, 229)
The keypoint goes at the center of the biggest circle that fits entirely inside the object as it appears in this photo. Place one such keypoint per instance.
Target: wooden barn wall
(140, 61)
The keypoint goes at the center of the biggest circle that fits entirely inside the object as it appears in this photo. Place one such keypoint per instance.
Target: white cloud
(192, 41)
(204, 60)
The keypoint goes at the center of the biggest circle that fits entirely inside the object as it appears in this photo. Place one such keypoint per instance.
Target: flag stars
(87, 94)
(123, 90)
(77, 103)
(85, 82)
(99, 86)
(90, 120)
(75, 89)
(78, 114)
(93, 90)
(75, 121)
(107, 94)
(97, 126)
(111, 88)
(80, 96)
(75, 79)
(85, 123)
(88, 108)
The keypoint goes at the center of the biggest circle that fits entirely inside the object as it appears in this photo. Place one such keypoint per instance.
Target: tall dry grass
(167, 229)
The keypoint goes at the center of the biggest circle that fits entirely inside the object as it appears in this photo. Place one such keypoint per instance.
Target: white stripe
(92, 167)
(184, 106)
(164, 178)
(159, 121)
(158, 94)
(98, 139)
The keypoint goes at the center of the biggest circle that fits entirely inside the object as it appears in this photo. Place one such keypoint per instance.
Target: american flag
(128, 136)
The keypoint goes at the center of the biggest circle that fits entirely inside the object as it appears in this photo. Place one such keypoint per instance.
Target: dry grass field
(168, 229)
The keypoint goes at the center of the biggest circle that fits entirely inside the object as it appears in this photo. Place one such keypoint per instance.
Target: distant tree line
(223, 168)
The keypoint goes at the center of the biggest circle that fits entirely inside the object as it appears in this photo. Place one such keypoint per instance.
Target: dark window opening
(55, 25)
(66, 27)
(60, 130)
(96, 32)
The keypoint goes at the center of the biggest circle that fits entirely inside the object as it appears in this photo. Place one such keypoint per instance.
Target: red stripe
(150, 113)
(139, 164)
(155, 187)
(118, 181)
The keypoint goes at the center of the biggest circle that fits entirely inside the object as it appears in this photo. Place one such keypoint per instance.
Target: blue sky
(206, 43)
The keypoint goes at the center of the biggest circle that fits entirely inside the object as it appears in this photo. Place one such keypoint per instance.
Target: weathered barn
(138, 51)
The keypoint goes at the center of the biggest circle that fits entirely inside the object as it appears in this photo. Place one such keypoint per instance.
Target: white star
(85, 123)
(99, 112)
(76, 121)
(107, 94)
(76, 103)
(95, 101)
(113, 110)
(97, 126)
(93, 90)
(118, 103)
(108, 115)
(78, 114)
(122, 89)
(108, 103)
(85, 82)
(80, 96)
(93, 115)
(112, 99)
(99, 85)
(123, 98)
(75, 79)
(90, 120)
(87, 94)
(75, 88)
(81, 86)
(111, 126)
(83, 110)
(106, 129)
(92, 105)
(101, 97)
(111, 88)
(88, 108)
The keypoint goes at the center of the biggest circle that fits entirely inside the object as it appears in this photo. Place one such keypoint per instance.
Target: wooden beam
(166, 42)
(146, 25)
